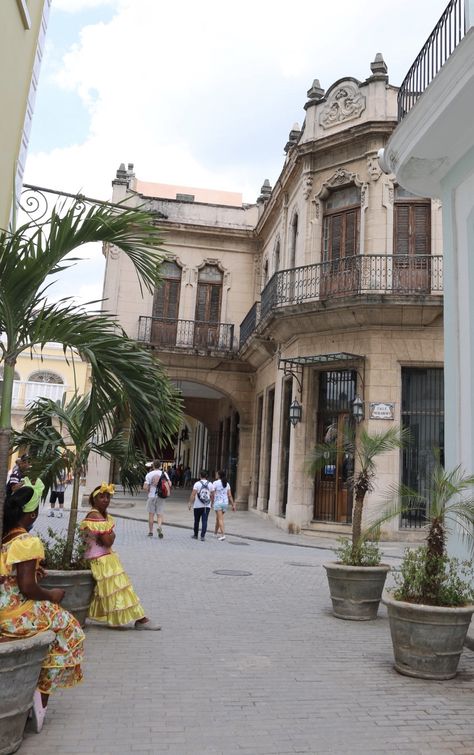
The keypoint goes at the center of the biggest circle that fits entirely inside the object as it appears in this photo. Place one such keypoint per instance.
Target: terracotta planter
(20, 665)
(79, 586)
(427, 640)
(356, 591)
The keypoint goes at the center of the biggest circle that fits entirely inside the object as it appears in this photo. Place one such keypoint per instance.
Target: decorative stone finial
(379, 66)
(315, 94)
(123, 176)
(293, 137)
(265, 192)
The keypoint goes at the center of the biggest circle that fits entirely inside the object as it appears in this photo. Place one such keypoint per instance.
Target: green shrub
(434, 580)
(55, 548)
(365, 553)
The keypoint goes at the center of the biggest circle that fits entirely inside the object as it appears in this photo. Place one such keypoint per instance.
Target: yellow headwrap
(34, 501)
(104, 488)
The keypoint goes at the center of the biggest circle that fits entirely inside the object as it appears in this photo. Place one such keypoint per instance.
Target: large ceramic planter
(427, 640)
(79, 586)
(356, 590)
(20, 665)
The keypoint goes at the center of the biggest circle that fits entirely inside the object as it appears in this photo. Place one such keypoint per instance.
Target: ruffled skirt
(62, 665)
(114, 601)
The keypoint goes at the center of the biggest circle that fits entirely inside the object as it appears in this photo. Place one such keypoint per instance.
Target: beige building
(323, 301)
(22, 36)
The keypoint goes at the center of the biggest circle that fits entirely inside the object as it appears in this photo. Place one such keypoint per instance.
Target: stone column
(244, 466)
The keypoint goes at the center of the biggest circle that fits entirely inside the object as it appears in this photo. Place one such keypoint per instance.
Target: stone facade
(329, 287)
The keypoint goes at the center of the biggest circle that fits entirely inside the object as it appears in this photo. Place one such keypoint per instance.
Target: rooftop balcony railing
(164, 332)
(441, 43)
(396, 275)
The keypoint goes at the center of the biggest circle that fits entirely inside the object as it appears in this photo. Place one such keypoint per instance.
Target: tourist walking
(158, 486)
(201, 499)
(57, 494)
(114, 602)
(222, 499)
(26, 608)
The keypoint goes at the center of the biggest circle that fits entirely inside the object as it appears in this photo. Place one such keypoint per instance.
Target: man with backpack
(202, 496)
(158, 486)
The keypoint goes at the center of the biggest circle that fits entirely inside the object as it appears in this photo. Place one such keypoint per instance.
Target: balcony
(167, 333)
(400, 275)
(249, 323)
(26, 392)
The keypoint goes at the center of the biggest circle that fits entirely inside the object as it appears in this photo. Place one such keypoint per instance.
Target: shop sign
(381, 410)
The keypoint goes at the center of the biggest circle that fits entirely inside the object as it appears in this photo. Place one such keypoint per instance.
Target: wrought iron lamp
(295, 412)
(358, 409)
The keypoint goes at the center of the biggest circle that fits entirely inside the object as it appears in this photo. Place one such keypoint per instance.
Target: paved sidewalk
(246, 665)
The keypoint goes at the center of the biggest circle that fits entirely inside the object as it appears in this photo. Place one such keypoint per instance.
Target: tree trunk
(71, 530)
(357, 521)
(5, 430)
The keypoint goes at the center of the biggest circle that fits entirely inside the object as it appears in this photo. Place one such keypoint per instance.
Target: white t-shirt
(152, 479)
(198, 504)
(221, 493)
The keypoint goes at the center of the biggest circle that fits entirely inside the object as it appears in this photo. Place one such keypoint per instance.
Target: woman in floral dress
(26, 608)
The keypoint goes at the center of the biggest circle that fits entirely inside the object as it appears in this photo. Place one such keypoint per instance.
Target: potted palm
(28, 256)
(431, 606)
(357, 578)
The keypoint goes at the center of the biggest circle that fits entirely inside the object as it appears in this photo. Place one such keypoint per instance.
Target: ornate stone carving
(344, 104)
(317, 209)
(373, 167)
(364, 196)
(307, 186)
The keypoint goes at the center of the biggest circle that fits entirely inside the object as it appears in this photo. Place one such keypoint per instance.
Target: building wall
(22, 37)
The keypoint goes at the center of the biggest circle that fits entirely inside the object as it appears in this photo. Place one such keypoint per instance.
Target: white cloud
(204, 94)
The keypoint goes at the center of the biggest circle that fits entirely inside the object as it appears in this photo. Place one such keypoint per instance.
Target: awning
(321, 359)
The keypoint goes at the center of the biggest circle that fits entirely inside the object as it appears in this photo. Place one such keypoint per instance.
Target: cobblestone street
(250, 664)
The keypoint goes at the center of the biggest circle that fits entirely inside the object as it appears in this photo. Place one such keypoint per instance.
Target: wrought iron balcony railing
(248, 324)
(441, 43)
(164, 332)
(396, 275)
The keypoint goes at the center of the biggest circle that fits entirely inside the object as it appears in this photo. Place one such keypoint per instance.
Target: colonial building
(322, 302)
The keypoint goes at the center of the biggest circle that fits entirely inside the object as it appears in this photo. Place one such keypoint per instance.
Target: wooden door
(333, 489)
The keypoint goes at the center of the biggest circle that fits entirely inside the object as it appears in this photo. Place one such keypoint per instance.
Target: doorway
(335, 425)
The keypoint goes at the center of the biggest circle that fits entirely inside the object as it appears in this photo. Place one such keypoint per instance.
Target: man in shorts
(57, 494)
(155, 504)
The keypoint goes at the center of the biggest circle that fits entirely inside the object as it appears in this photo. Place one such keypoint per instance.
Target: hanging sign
(382, 410)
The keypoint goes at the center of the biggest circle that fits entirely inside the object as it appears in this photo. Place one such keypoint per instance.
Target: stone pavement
(247, 665)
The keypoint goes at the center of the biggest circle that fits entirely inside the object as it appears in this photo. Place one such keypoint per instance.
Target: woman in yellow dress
(114, 602)
(26, 608)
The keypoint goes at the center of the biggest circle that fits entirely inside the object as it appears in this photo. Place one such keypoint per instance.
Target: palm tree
(119, 366)
(365, 449)
(61, 437)
(445, 504)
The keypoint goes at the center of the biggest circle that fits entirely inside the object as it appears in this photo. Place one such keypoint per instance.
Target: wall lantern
(295, 413)
(358, 409)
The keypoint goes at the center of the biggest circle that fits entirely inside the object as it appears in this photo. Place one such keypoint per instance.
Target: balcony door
(333, 489)
(411, 243)
(341, 231)
(208, 307)
(166, 306)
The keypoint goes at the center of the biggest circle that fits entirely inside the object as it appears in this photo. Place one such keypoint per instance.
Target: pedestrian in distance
(201, 498)
(26, 608)
(158, 486)
(114, 602)
(57, 494)
(18, 472)
(187, 478)
(222, 499)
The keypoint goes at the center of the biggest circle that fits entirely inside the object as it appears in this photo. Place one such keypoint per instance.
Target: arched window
(209, 294)
(293, 240)
(277, 257)
(166, 299)
(44, 384)
(341, 224)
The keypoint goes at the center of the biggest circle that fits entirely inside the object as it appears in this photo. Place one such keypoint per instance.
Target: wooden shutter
(335, 238)
(421, 225)
(214, 303)
(351, 240)
(412, 228)
(201, 302)
(166, 300)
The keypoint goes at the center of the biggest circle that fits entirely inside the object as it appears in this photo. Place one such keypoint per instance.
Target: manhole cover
(301, 563)
(233, 573)
(237, 542)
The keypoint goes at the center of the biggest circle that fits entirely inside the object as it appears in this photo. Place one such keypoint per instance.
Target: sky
(197, 94)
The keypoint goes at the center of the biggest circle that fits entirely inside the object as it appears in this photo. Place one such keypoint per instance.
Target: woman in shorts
(222, 499)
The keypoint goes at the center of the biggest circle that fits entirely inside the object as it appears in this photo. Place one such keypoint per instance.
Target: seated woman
(26, 608)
